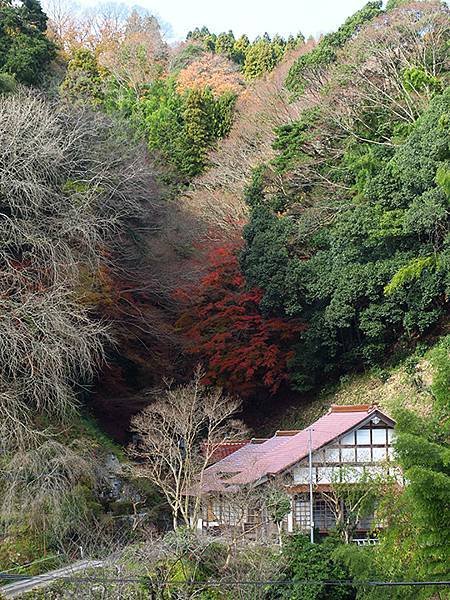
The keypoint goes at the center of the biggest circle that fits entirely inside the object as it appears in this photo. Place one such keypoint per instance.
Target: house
(349, 445)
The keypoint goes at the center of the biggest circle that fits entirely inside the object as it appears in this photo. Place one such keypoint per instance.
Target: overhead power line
(286, 582)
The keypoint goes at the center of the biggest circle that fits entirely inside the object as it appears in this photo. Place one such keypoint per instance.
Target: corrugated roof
(256, 461)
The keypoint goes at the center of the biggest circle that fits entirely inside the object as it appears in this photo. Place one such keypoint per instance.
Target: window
(349, 439)
(216, 510)
(379, 454)
(301, 475)
(363, 455)
(326, 474)
(231, 515)
(318, 457)
(324, 517)
(363, 437)
(376, 471)
(379, 436)
(352, 474)
(301, 512)
(348, 455)
(332, 455)
(365, 523)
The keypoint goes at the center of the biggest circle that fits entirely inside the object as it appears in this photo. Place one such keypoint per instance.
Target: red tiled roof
(237, 462)
(253, 462)
(226, 448)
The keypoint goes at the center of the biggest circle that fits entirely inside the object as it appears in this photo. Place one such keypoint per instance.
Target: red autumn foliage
(242, 351)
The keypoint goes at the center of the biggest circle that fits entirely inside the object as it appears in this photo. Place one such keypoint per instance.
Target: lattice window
(216, 510)
(231, 515)
(324, 517)
(301, 512)
(363, 455)
(331, 455)
(254, 516)
(348, 455)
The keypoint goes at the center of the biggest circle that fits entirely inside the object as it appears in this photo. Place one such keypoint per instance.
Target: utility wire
(288, 582)
(34, 562)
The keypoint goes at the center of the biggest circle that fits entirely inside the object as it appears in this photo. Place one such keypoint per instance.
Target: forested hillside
(265, 222)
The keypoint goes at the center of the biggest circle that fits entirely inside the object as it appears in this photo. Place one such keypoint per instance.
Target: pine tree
(260, 58)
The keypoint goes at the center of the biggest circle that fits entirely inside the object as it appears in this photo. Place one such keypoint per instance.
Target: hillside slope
(405, 385)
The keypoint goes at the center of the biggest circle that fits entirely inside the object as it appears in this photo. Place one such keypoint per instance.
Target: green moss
(22, 553)
(85, 426)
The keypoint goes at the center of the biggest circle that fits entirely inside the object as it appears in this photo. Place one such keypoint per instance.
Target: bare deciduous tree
(178, 435)
(129, 42)
(138, 53)
(407, 39)
(68, 179)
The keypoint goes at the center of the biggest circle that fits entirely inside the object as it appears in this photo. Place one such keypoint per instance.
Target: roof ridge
(231, 442)
(287, 432)
(349, 408)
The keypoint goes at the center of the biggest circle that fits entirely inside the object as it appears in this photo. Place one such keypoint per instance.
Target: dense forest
(255, 226)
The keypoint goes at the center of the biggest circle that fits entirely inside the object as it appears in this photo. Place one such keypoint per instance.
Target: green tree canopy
(325, 51)
(25, 50)
(85, 79)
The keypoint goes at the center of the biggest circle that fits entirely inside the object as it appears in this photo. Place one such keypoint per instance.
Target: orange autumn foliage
(213, 71)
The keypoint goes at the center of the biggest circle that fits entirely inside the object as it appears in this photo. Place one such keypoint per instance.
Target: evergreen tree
(261, 57)
(240, 49)
(25, 50)
(423, 451)
(198, 130)
(85, 79)
(414, 543)
(225, 44)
